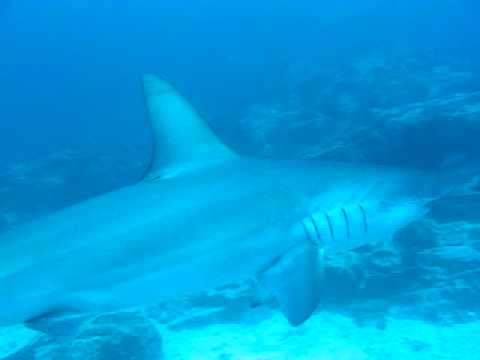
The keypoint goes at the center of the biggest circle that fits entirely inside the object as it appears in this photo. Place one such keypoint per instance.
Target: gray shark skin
(203, 217)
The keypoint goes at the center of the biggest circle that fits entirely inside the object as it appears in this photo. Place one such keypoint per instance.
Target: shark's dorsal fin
(182, 139)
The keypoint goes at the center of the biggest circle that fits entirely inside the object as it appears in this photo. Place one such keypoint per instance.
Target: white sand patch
(326, 336)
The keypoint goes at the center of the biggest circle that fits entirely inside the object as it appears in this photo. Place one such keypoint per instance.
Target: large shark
(203, 217)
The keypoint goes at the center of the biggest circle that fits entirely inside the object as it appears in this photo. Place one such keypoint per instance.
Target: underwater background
(386, 82)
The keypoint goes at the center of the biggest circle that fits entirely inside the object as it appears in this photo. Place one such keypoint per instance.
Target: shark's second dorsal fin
(182, 139)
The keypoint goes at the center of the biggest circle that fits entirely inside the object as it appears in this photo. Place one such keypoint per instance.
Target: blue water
(387, 82)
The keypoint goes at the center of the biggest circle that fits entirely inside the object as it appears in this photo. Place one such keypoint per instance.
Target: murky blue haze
(384, 82)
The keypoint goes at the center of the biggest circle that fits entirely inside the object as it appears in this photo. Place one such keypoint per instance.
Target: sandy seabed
(326, 336)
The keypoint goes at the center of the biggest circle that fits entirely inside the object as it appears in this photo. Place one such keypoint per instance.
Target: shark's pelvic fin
(295, 282)
(58, 323)
(182, 139)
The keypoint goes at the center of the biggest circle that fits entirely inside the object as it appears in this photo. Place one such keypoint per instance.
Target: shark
(203, 217)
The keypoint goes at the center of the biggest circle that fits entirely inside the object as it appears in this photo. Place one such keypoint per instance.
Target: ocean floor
(325, 336)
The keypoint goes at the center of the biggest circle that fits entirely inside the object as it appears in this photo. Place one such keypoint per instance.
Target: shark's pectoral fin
(295, 282)
(182, 139)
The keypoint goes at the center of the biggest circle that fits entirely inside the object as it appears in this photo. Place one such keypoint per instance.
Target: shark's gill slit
(364, 217)
(330, 226)
(317, 232)
(305, 229)
(347, 223)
